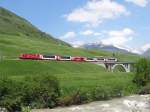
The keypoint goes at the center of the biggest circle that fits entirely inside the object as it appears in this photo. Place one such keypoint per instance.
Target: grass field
(73, 76)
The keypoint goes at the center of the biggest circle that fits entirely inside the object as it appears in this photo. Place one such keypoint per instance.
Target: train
(67, 58)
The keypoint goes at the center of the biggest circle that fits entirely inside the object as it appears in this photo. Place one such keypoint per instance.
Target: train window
(90, 59)
(112, 59)
(65, 57)
(101, 59)
(47, 56)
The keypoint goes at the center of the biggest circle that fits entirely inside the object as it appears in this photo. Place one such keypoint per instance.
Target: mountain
(17, 35)
(101, 46)
(147, 53)
(11, 24)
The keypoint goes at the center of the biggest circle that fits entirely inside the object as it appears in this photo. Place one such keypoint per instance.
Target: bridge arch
(126, 67)
(121, 67)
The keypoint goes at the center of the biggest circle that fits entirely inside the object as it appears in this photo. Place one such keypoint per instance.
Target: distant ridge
(101, 46)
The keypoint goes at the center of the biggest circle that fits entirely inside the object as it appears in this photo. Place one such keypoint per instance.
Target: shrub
(78, 97)
(26, 109)
(142, 76)
(10, 97)
(145, 89)
(117, 91)
(102, 93)
(41, 91)
(36, 92)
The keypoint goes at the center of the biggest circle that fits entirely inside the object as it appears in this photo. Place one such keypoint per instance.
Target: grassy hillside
(11, 24)
(73, 76)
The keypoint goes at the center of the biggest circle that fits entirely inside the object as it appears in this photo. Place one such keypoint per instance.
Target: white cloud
(119, 38)
(145, 47)
(96, 11)
(137, 51)
(141, 3)
(68, 35)
(142, 49)
(97, 34)
(77, 44)
(87, 32)
(90, 32)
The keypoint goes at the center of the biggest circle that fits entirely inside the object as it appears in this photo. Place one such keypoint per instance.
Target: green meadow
(72, 76)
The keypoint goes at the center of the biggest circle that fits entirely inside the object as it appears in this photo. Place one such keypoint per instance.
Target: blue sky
(122, 23)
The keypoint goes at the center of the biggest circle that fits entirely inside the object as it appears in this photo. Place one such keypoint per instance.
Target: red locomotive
(31, 56)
